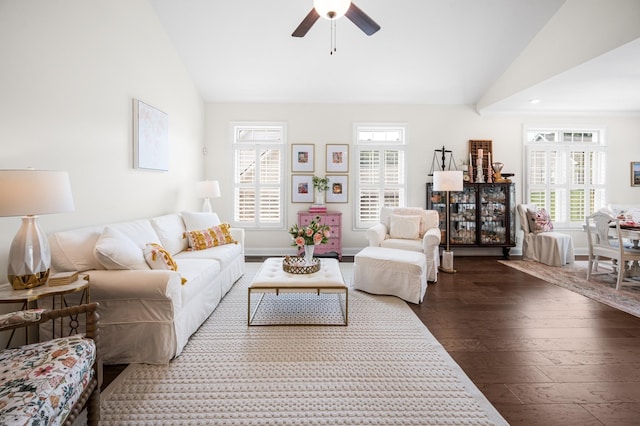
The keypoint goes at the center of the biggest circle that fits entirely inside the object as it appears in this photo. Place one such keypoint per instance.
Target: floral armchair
(49, 383)
(409, 228)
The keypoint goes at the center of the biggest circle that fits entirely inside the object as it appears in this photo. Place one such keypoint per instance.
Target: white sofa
(147, 315)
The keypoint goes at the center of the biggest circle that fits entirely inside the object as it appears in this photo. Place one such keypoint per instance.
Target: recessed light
(534, 101)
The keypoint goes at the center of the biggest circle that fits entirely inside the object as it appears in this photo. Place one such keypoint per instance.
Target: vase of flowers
(310, 236)
(320, 185)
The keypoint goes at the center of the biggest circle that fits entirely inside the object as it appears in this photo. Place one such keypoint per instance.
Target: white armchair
(409, 228)
(551, 248)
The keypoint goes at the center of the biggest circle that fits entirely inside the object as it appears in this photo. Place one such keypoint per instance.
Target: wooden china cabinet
(482, 215)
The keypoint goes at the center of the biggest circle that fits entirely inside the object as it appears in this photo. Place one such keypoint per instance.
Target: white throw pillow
(114, 250)
(170, 229)
(404, 226)
(200, 220)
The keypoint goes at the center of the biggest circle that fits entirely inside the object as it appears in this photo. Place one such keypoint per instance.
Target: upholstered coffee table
(271, 278)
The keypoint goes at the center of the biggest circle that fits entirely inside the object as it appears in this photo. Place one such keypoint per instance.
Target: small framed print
(635, 173)
(338, 191)
(337, 158)
(301, 188)
(302, 157)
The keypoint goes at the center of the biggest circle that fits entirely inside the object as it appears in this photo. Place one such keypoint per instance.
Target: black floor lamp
(448, 181)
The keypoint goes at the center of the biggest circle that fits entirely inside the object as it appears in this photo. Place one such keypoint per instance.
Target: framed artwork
(338, 191)
(337, 158)
(150, 137)
(635, 173)
(302, 188)
(302, 157)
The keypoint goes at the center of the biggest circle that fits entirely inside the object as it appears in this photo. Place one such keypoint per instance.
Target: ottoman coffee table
(271, 278)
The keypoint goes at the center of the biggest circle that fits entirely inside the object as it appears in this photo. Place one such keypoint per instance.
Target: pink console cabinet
(334, 220)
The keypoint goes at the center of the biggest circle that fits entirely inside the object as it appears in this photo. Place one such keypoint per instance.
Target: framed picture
(301, 188)
(337, 158)
(150, 137)
(302, 157)
(635, 173)
(338, 191)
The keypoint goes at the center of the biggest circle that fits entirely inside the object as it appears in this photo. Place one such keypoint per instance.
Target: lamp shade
(448, 180)
(29, 193)
(208, 189)
(331, 9)
(34, 192)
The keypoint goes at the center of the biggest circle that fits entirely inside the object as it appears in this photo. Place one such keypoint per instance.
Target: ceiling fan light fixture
(331, 9)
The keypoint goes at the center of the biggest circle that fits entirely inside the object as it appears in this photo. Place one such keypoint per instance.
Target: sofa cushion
(114, 250)
(194, 221)
(200, 275)
(404, 226)
(73, 250)
(139, 231)
(41, 382)
(210, 237)
(224, 254)
(170, 229)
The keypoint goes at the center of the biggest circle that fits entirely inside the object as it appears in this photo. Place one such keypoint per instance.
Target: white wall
(430, 127)
(70, 69)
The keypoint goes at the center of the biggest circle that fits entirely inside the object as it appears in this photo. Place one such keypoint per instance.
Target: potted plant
(320, 185)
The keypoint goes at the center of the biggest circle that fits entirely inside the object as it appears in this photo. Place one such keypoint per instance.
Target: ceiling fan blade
(306, 24)
(362, 20)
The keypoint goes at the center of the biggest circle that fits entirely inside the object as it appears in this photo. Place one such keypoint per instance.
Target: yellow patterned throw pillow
(159, 258)
(210, 237)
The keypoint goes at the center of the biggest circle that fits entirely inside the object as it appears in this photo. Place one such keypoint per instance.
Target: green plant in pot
(320, 185)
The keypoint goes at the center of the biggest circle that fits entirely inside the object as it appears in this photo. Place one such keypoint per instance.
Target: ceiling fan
(334, 9)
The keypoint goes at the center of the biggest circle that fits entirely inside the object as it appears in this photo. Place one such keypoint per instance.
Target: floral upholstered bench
(49, 383)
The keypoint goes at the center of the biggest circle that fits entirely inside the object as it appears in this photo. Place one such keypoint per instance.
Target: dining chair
(605, 241)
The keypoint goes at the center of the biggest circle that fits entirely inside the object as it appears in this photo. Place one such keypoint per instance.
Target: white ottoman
(395, 272)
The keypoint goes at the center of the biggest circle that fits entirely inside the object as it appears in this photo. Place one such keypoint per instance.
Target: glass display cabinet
(482, 215)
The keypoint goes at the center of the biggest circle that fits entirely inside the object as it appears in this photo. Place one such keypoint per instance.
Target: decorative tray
(297, 265)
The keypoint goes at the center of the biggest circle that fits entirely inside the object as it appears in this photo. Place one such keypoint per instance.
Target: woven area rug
(384, 368)
(601, 287)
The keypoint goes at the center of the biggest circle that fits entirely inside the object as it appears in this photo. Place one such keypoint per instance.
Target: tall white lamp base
(206, 205)
(447, 262)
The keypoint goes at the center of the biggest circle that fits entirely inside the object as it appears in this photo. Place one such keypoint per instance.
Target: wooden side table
(30, 297)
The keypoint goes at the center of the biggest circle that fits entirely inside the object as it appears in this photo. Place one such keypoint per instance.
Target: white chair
(551, 248)
(398, 229)
(606, 241)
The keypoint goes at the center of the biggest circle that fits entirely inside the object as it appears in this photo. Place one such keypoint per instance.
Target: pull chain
(333, 36)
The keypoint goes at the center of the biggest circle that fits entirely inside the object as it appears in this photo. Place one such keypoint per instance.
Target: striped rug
(384, 368)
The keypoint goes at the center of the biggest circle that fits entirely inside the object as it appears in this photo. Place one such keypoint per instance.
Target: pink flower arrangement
(315, 233)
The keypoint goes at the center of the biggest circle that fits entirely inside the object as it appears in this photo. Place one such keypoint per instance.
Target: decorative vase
(308, 254)
(320, 198)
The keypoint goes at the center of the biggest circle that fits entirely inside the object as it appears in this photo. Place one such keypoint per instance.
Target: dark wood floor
(541, 354)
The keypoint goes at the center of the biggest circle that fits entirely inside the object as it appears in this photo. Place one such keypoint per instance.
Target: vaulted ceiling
(574, 56)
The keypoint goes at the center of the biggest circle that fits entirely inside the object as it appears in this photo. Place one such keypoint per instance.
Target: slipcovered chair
(605, 244)
(544, 246)
(409, 228)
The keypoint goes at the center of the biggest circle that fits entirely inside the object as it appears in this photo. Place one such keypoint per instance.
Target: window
(565, 173)
(380, 170)
(258, 181)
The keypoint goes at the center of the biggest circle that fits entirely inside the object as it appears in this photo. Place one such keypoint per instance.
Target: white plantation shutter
(565, 173)
(259, 175)
(381, 171)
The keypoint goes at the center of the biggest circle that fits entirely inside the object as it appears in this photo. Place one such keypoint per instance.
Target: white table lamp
(448, 181)
(29, 193)
(207, 189)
